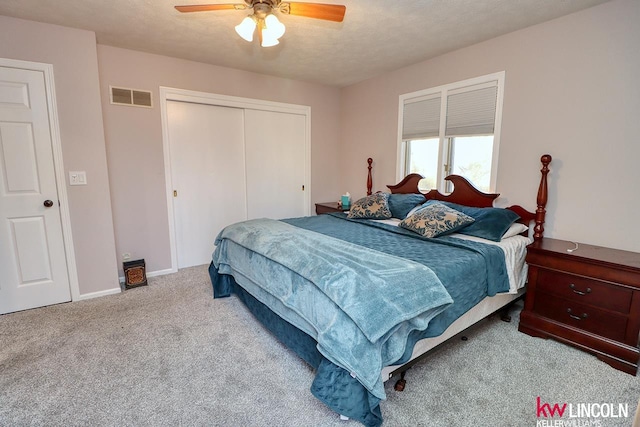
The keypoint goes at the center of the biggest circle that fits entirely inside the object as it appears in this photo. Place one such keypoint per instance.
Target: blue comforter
(359, 304)
(468, 270)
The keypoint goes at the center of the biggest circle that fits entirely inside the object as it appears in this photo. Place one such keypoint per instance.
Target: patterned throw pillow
(375, 206)
(436, 220)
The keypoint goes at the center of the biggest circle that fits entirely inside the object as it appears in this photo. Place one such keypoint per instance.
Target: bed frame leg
(399, 386)
(504, 311)
(505, 316)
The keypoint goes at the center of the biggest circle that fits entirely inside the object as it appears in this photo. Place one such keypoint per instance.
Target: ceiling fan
(270, 29)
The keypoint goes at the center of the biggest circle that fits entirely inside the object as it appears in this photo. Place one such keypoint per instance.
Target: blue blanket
(468, 270)
(361, 305)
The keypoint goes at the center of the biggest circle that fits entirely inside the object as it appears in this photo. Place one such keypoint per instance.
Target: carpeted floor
(170, 355)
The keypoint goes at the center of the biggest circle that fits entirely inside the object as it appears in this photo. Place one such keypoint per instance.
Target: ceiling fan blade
(208, 7)
(329, 12)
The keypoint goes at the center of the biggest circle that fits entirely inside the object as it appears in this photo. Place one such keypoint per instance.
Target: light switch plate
(77, 178)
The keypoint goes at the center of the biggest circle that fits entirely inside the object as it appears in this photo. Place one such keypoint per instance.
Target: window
(452, 129)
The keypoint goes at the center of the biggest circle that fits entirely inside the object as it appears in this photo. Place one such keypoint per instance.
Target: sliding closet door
(275, 162)
(208, 174)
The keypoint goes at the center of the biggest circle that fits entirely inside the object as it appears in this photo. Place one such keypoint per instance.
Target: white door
(275, 159)
(33, 269)
(207, 169)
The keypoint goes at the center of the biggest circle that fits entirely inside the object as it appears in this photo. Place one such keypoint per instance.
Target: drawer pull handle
(573, 316)
(573, 288)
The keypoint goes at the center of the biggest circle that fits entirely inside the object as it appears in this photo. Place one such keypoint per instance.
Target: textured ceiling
(376, 36)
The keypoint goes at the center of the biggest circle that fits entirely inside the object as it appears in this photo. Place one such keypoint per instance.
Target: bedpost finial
(541, 212)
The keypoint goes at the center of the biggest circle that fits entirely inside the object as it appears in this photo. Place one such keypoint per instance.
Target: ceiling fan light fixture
(268, 41)
(269, 27)
(246, 28)
(273, 27)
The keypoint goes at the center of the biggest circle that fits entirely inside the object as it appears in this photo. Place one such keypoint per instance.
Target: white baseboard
(154, 273)
(160, 272)
(118, 290)
(99, 294)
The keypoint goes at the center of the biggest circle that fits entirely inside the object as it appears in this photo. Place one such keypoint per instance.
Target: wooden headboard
(464, 193)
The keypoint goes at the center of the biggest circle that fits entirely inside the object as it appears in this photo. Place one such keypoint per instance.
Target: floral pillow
(436, 220)
(375, 206)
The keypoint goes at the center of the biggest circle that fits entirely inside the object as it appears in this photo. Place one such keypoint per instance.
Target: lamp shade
(273, 27)
(268, 41)
(246, 28)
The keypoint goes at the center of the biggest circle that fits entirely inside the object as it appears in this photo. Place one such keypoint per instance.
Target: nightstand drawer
(584, 290)
(582, 316)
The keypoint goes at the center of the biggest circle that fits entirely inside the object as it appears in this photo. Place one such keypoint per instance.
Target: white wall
(73, 55)
(134, 139)
(572, 90)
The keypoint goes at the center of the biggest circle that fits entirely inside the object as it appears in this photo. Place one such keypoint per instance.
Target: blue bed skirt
(332, 385)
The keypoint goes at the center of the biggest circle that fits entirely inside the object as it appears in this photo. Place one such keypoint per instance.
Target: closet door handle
(48, 203)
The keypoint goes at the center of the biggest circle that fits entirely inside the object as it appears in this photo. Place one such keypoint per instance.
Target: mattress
(514, 248)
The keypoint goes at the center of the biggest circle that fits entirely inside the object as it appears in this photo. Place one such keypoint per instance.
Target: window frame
(443, 91)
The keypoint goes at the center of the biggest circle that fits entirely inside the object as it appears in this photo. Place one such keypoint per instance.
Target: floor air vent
(135, 98)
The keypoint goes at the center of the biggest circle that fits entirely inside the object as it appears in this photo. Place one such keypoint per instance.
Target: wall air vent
(132, 97)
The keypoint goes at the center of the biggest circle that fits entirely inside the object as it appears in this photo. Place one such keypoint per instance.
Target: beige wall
(134, 138)
(73, 56)
(571, 90)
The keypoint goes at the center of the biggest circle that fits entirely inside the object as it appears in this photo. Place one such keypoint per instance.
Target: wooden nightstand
(328, 207)
(588, 298)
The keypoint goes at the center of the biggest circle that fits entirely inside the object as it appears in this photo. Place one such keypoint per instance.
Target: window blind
(472, 110)
(421, 118)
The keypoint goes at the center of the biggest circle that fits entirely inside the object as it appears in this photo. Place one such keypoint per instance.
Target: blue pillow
(490, 223)
(401, 204)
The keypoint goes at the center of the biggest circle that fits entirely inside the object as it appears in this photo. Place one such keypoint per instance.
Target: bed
(361, 298)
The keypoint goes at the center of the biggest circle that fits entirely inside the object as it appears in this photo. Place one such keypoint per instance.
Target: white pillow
(515, 229)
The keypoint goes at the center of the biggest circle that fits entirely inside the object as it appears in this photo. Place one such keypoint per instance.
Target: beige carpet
(169, 354)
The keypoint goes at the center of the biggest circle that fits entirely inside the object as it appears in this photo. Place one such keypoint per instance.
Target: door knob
(48, 203)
